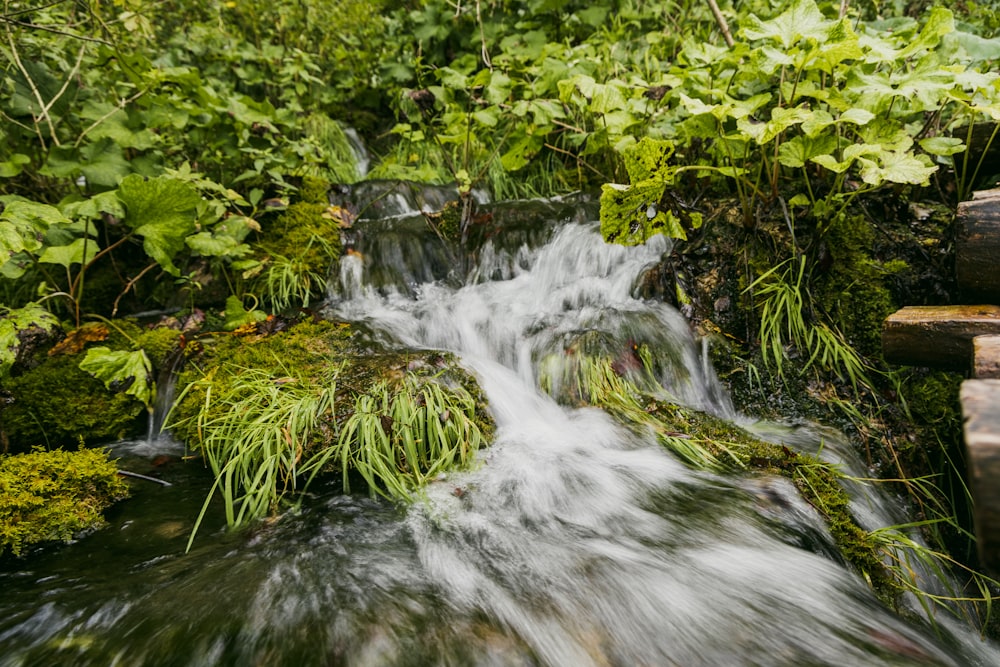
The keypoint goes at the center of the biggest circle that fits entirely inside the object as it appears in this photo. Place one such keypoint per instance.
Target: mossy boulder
(297, 251)
(53, 402)
(273, 407)
(48, 496)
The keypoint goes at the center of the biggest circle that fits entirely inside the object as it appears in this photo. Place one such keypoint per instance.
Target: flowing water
(573, 543)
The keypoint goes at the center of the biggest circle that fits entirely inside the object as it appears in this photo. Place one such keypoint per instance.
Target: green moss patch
(54, 495)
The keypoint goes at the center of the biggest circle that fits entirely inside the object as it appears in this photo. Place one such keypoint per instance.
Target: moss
(159, 344)
(297, 251)
(54, 495)
(58, 404)
(854, 290)
(314, 190)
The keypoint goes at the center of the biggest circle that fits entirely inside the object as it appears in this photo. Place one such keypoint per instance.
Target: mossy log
(986, 357)
(937, 336)
(981, 410)
(977, 247)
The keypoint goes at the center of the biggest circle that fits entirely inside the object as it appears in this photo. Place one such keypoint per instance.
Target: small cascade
(166, 385)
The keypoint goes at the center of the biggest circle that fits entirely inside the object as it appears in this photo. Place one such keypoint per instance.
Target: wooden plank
(977, 248)
(937, 336)
(981, 410)
(986, 357)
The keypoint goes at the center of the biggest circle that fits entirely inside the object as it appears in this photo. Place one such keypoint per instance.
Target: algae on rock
(54, 496)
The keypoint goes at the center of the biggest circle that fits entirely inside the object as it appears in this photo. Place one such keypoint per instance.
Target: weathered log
(977, 248)
(986, 357)
(981, 410)
(937, 336)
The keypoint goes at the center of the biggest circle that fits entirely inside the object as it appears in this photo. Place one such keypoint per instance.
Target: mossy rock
(57, 495)
(297, 252)
(56, 404)
(285, 405)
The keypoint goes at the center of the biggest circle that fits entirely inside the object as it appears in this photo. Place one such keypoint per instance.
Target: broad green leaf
(23, 225)
(939, 23)
(521, 151)
(943, 146)
(798, 150)
(781, 120)
(103, 163)
(79, 251)
(499, 87)
(632, 214)
(896, 167)
(841, 45)
(14, 166)
(119, 369)
(803, 20)
(648, 159)
(162, 211)
(606, 98)
(207, 244)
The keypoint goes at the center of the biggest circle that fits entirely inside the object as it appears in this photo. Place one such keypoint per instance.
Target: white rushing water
(589, 544)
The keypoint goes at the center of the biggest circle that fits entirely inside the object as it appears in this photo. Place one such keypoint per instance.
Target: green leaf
(14, 166)
(79, 251)
(521, 151)
(939, 23)
(943, 146)
(797, 150)
(237, 315)
(632, 214)
(23, 225)
(648, 159)
(803, 20)
(118, 368)
(897, 167)
(162, 211)
(207, 244)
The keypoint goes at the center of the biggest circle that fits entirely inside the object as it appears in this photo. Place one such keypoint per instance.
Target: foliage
(54, 495)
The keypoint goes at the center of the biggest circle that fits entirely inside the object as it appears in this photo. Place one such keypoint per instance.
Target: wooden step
(981, 410)
(977, 248)
(937, 336)
(986, 357)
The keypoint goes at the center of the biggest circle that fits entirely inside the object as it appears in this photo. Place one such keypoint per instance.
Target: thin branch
(28, 10)
(45, 28)
(121, 106)
(15, 56)
(69, 77)
(131, 283)
(721, 20)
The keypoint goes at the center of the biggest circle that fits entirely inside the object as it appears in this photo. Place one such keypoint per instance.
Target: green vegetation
(54, 495)
(177, 155)
(270, 412)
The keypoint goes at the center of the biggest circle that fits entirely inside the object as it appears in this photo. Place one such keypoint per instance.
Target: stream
(573, 543)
